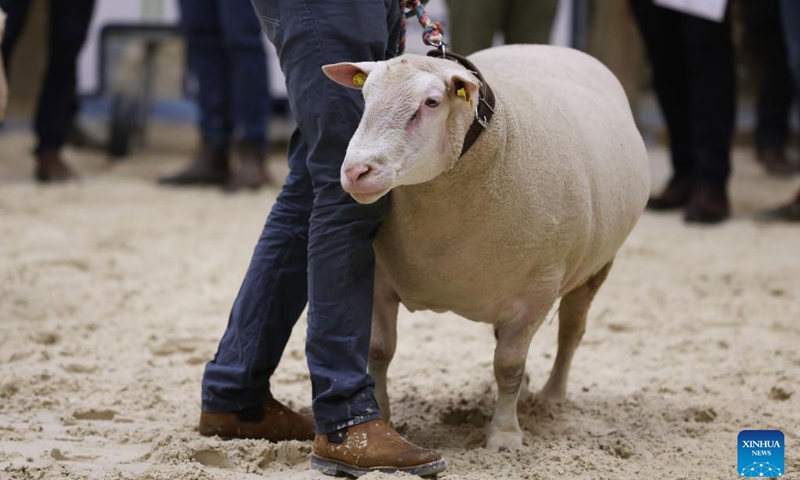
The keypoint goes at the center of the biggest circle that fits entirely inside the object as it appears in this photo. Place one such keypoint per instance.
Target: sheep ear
(350, 75)
(464, 88)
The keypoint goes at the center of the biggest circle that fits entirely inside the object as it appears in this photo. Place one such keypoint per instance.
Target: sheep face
(417, 111)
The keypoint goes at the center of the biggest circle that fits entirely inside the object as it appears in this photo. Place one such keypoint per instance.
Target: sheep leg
(572, 315)
(513, 341)
(525, 390)
(383, 341)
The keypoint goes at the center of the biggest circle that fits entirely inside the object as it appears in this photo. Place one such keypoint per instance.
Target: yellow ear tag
(462, 92)
(359, 79)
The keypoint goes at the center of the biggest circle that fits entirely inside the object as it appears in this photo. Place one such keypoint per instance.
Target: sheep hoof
(500, 441)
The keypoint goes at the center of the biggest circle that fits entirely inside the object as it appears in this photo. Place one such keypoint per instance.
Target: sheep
(3, 86)
(534, 211)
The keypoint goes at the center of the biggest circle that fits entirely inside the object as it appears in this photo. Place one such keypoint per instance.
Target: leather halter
(486, 101)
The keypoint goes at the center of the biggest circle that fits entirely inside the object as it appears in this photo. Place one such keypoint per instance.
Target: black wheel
(123, 125)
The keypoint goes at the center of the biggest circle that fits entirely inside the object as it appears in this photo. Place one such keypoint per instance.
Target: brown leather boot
(707, 205)
(271, 421)
(209, 167)
(369, 447)
(675, 196)
(50, 168)
(250, 171)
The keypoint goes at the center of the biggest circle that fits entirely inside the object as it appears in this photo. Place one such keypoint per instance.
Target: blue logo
(761, 453)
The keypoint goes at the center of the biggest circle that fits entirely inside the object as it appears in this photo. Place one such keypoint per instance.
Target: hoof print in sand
(211, 458)
(94, 414)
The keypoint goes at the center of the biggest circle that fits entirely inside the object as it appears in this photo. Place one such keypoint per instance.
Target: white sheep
(535, 210)
(3, 86)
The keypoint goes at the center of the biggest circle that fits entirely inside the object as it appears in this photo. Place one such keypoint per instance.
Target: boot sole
(335, 468)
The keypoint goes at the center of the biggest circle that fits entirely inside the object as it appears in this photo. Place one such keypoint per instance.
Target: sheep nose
(356, 173)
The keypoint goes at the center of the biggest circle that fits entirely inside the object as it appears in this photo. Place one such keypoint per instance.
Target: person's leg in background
(529, 21)
(473, 23)
(775, 89)
(209, 65)
(712, 107)
(68, 25)
(250, 103)
(790, 16)
(666, 50)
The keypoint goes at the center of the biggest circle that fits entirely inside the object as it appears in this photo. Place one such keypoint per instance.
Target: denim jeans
(790, 15)
(225, 49)
(67, 27)
(316, 246)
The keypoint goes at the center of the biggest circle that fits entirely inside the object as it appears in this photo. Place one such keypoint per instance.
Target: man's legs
(790, 15)
(340, 257)
(713, 113)
(250, 103)
(69, 22)
(775, 89)
(271, 299)
(209, 65)
(307, 35)
(237, 401)
(666, 51)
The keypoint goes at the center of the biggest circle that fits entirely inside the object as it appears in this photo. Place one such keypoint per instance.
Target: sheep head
(417, 112)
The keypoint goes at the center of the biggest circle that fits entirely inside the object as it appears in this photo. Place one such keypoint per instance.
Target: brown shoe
(250, 171)
(369, 447)
(707, 205)
(209, 167)
(271, 421)
(775, 162)
(675, 196)
(50, 168)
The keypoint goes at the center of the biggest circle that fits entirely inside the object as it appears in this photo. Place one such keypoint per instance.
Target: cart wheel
(124, 115)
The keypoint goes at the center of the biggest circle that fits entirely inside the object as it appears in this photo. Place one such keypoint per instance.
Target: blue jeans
(67, 26)
(316, 246)
(790, 14)
(227, 57)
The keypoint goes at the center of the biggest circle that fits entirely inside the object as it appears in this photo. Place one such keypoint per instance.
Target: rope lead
(432, 32)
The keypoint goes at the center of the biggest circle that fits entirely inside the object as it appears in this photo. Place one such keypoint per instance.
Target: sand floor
(114, 293)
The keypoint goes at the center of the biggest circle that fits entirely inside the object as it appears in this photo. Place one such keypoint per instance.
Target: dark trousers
(775, 89)
(316, 246)
(790, 15)
(226, 55)
(68, 24)
(473, 23)
(693, 75)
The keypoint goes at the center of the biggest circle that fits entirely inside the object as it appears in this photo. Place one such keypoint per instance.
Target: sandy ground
(114, 292)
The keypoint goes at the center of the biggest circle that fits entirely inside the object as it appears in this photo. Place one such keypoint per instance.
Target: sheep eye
(432, 102)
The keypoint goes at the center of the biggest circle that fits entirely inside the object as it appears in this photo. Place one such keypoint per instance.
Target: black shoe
(707, 205)
(209, 167)
(51, 168)
(675, 196)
